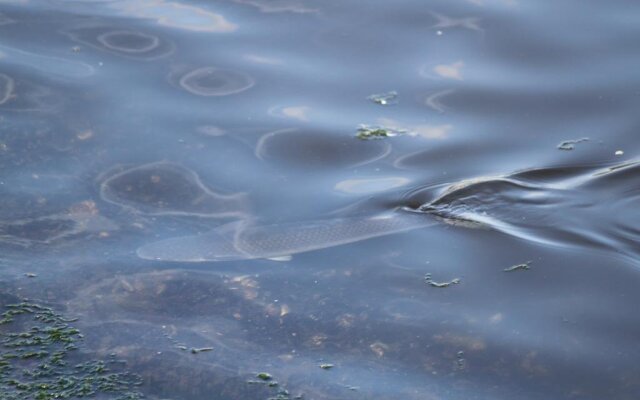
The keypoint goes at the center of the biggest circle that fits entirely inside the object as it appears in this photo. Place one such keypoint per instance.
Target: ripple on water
(566, 207)
(370, 185)
(6, 88)
(143, 46)
(316, 149)
(17, 94)
(212, 81)
(164, 188)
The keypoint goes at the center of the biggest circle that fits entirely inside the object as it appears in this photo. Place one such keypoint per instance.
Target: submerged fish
(239, 240)
(566, 207)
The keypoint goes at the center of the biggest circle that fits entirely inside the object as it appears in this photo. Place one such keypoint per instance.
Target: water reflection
(370, 185)
(446, 22)
(277, 6)
(125, 122)
(48, 64)
(7, 88)
(302, 149)
(173, 14)
(434, 102)
(425, 131)
(300, 113)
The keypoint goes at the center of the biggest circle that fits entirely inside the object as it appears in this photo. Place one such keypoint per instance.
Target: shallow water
(139, 136)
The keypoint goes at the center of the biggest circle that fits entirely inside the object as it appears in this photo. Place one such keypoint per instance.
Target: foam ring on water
(104, 39)
(211, 81)
(7, 86)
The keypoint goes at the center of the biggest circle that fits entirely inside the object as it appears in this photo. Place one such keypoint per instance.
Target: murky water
(218, 189)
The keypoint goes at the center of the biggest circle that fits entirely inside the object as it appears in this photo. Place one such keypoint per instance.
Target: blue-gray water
(133, 133)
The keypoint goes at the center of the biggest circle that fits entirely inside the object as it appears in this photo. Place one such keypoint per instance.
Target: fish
(558, 207)
(242, 240)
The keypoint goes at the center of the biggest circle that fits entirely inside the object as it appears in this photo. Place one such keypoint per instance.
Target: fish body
(242, 241)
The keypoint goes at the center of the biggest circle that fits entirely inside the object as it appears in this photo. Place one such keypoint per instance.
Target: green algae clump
(36, 346)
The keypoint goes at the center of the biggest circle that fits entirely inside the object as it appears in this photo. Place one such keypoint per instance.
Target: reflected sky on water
(142, 141)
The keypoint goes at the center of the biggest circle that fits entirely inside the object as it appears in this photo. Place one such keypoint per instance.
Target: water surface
(185, 178)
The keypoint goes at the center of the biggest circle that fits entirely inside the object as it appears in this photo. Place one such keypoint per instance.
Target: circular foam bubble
(129, 41)
(211, 81)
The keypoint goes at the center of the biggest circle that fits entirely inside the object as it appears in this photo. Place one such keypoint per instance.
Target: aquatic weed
(368, 132)
(34, 361)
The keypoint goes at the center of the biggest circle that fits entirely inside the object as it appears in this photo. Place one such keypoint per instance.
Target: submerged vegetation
(36, 346)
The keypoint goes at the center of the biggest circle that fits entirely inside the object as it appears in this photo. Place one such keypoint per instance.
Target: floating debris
(571, 144)
(619, 152)
(431, 282)
(34, 344)
(264, 376)
(384, 99)
(326, 366)
(523, 266)
(201, 350)
(367, 132)
(460, 361)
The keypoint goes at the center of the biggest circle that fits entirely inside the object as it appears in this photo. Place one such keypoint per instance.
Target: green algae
(264, 376)
(36, 346)
(367, 132)
(281, 393)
